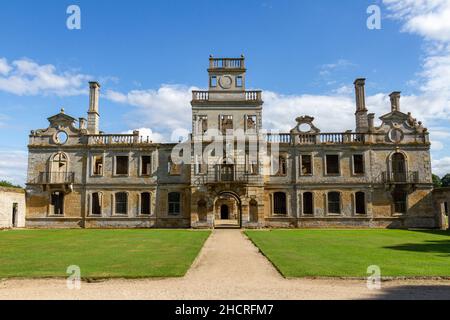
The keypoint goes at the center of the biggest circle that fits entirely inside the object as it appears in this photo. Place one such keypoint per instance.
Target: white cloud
(164, 110)
(145, 133)
(13, 166)
(441, 166)
(5, 68)
(26, 77)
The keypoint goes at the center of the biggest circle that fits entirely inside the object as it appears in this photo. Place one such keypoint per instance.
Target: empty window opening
(306, 164)
(15, 211)
(358, 164)
(332, 163)
(308, 203)
(57, 202)
(360, 203)
(282, 163)
(213, 81)
(146, 165)
(98, 165)
(334, 202)
(122, 165)
(96, 203)
(279, 203)
(250, 123)
(239, 81)
(202, 124)
(121, 203)
(226, 123)
(446, 208)
(174, 199)
(145, 203)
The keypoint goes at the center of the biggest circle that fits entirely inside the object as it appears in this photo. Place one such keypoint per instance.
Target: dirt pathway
(229, 267)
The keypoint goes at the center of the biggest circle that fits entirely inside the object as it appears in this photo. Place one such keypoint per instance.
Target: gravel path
(229, 267)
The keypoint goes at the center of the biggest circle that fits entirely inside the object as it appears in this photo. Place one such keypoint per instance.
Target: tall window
(146, 165)
(358, 164)
(96, 206)
(282, 165)
(360, 203)
(279, 203)
(121, 165)
(399, 195)
(308, 203)
(121, 203)
(174, 200)
(306, 164)
(334, 202)
(202, 124)
(145, 203)
(226, 123)
(250, 123)
(332, 163)
(97, 165)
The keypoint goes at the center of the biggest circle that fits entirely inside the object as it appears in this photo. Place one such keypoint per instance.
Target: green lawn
(348, 253)
(99, 253)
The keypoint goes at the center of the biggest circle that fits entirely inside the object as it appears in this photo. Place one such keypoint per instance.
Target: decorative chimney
(82, 123)
(93, 114)
(362, 124)
(395, 101)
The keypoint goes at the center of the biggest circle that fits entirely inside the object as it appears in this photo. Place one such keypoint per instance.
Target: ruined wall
(9, 197)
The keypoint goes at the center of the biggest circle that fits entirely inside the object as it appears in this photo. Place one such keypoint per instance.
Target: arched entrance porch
(227, 210)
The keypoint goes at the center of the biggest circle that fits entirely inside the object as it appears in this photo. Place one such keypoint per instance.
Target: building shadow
(431, 246)
(415, 292)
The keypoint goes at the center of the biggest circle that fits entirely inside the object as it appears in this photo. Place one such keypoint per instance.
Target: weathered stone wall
(8, 198)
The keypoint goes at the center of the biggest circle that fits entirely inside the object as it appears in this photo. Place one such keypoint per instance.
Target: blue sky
(148, 55)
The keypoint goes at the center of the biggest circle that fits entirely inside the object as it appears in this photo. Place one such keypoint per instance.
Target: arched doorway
(224, 212)
(228, 210)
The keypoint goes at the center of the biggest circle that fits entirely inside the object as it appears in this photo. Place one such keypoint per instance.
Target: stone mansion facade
(372, 176)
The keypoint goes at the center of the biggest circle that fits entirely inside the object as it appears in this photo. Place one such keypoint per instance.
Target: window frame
(93, 162)
(301, 164)
(141, 165)
(338, 164)
(363, 164)
(303, 204)
(355, 211)
(329, 213)
(126, 207)
(116, 162)
(91, 204)
(179, 202)
(285, 204)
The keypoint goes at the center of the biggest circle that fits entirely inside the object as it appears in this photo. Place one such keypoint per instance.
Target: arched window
(279, 203)
(174, 201)
(399, 167)
(121, 203)
(145, 203)
(334, 202)
(360, 203)
(58, 168)
(308, 207)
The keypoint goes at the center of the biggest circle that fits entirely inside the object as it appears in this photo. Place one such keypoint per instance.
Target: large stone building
(369, 177)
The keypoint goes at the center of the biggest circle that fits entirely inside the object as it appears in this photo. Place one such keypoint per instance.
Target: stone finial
(62, 110)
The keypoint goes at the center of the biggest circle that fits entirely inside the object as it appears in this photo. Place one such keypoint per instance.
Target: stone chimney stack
(395, 101)
(371, 120)
(82, 123)
(93, 114)
(362, 124)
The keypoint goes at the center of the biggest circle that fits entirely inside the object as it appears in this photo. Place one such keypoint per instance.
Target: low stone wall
(441, 199)
(12, 200)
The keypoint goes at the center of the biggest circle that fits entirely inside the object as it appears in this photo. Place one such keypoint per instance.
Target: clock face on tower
(225, 82)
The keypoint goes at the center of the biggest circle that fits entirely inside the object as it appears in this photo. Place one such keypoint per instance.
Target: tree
(7, 184)
(446, 180)
(437, 183)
